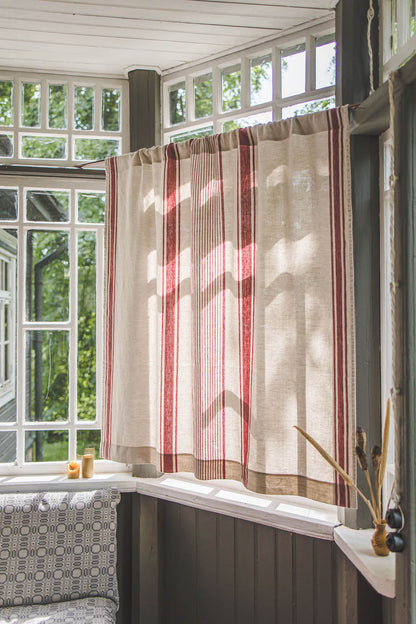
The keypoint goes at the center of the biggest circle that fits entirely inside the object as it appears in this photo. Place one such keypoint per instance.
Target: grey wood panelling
(180, 565)
(217, 569)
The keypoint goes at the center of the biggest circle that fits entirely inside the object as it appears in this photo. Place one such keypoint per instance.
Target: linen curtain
(229, 307)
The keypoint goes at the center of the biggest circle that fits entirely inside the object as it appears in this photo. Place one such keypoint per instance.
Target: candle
(72, 470)
(87, 466)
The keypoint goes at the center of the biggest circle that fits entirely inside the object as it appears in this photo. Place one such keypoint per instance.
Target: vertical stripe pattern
(209, 309)
(170, 310)
(246, 206)
(239, 322)
(110, 278)
(339, 300)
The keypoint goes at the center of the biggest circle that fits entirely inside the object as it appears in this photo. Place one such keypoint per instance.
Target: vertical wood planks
(285, 574)
(244, 572)
(265, 582)
(303, 562)
(206, 566)
(225, 570)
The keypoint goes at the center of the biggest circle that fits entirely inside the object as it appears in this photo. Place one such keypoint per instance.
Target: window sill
(289, 513)
(380, 572)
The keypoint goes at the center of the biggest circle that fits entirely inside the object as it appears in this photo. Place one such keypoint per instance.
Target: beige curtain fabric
(229, 307)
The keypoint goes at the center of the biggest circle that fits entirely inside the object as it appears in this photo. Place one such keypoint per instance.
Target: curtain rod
(96, 162)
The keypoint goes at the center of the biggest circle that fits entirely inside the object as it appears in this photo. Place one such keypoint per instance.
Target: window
(56, 119)
(398, 28)
(386, 207)
(51, 302)
(292, 75)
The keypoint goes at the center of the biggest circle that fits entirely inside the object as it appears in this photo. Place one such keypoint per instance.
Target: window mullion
(245, 83)
(20, 332)
(100, 321)
(73, 332)
(310, 63)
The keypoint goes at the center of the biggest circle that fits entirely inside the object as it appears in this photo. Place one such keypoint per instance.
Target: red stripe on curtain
(170, 314)
(246, 207)
(111, 246)
(335, 147)
(208, 308)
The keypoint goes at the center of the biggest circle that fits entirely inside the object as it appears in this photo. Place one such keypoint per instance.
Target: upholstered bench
(58, 557)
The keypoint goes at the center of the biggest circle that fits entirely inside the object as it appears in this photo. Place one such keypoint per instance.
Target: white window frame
(71, 184)
(18, 131)
(406, 44)
(8, 297)
(274, 46)
(386, 332)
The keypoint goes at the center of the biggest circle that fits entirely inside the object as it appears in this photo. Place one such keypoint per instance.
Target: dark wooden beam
(405, 169)
(53, 172)
(144, 94)
(353, 60)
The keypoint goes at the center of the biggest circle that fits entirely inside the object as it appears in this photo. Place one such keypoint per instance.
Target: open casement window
(398, 33)
(292, 75)
(386, 206)
(49, 119)
(51, 302)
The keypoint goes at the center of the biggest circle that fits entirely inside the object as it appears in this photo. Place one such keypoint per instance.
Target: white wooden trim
(72, 425)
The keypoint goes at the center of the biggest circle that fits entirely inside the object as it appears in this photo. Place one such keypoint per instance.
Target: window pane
(243, 122)
(231, 88)
(47, 364)
(110, 109)
(47, 276)
(293, 67)
(47, 205)
(57, 111)
(87, 333)
(44, 147)
(6, 145)
(89, 440)
(31, 105)
(308, 107)
(91, 207)
(7, 446)
(177, 103)
(46, 446)
(412, 17)
(84, 108)
(261, 80)
(192, 134)
(8, 204)
(8, 301)
(394, 25)
(203, 96)
(325, 64)
(96, 149)
(6, 103)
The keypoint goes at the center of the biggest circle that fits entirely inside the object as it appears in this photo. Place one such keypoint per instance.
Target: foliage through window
(293, 76)
(52, 307)
(61, 119)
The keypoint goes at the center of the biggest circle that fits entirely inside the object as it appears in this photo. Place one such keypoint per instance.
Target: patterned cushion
(85, 611)
(57, 546)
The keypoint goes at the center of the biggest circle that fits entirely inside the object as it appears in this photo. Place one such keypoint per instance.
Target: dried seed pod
(361, 457)
(376, 456)
(361, 438)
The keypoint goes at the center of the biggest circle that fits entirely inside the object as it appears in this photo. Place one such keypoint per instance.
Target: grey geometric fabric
(85, 611)
(57, 546)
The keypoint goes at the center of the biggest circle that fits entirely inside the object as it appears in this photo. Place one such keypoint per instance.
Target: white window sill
(380, 572)
(289, 513)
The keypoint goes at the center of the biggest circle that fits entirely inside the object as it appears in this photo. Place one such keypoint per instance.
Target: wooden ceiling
(110, 37)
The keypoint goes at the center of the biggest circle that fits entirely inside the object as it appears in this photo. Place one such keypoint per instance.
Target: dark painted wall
(180, 565)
